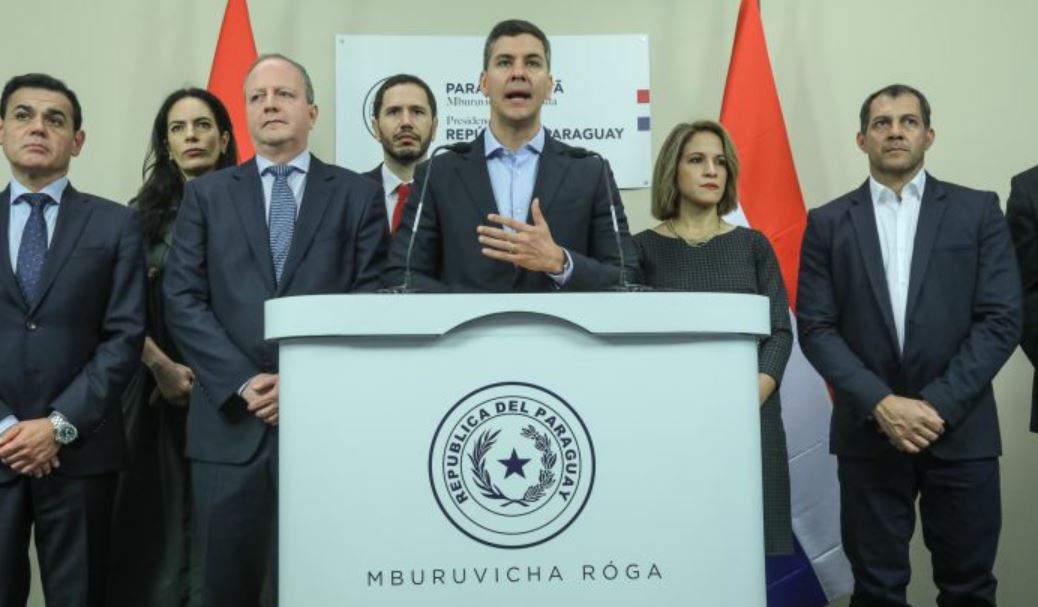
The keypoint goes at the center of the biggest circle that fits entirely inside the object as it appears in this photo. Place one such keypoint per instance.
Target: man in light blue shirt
(281, 224)
(517, 210)
(71, 332)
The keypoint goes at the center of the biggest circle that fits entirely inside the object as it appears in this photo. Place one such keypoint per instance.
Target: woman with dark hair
(695, 249)
(191, 136)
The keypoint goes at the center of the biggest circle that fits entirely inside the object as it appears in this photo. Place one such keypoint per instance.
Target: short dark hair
(397, 80)
(893, 90)
(308, 85)
(41, 81)
(515, 27)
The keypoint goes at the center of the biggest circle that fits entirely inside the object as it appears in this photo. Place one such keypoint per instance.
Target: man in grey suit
(908, 305)
(517, 210)
(71, 332)
(282, 224)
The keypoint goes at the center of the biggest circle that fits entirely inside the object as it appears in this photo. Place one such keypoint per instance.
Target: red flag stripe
(235, 52)
(769, 191)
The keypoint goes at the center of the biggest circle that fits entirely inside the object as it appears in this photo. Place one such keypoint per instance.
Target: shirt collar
(300, 162)
(491, 145)
(914, 188)
(390, 182)
(54, 189)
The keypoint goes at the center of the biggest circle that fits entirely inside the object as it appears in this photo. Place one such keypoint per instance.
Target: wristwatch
(64, 432)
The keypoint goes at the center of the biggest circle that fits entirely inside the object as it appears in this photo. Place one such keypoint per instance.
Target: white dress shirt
(896, 222)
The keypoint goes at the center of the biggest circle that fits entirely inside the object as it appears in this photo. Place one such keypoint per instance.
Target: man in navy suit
(404, 123)
(908, 305)
(1022, 215)
(282, 224)
(71, 332)
(518, 211)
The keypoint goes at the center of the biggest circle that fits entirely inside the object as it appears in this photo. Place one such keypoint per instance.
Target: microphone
(579, 153)
(462, 147)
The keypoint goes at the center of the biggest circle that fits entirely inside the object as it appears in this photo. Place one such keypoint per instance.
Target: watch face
(66, 434)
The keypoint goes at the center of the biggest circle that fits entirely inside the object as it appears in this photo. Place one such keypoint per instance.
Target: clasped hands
(261, 396)
(911, 425)
(530, 247)
(29, 448)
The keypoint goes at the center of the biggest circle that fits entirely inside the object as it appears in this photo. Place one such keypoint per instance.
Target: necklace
(692, 242)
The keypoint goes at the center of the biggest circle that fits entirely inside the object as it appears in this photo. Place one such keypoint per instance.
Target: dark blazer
(375, 175)
(220, 272)
(76, 348)
(962, 319)
(575, 202)
(1022, 213)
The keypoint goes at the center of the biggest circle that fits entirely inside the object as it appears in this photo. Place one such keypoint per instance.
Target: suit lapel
(247, 194)
(551, 168)
(864, 219)
(315, 200)
(8, 282)
(931, 211)
(476, 178)
(73, 215)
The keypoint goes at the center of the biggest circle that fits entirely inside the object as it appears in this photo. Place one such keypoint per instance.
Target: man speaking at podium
(515, 210)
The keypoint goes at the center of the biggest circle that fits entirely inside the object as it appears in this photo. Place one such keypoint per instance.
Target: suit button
(30, 324)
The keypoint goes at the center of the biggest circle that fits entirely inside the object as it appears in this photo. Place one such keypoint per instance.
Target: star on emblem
(514, 465)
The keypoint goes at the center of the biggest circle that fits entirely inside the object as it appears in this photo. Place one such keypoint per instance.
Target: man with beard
(518, 210)
(403, 120)
(908, 305)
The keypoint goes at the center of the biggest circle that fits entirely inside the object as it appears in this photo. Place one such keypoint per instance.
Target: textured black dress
(739, 261)
(152, 525)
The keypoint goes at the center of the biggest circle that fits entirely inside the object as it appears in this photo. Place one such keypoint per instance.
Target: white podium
(520, 450)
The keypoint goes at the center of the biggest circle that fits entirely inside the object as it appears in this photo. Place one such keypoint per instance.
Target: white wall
(976, 63)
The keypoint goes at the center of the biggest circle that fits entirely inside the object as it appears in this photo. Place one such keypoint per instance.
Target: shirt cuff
(567, 271)
(7, 423)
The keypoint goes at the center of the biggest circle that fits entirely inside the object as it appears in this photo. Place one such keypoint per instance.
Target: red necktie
(402, 191)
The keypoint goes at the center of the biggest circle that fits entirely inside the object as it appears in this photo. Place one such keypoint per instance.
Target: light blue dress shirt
(296, 181)
(18, 217)
(512, 177)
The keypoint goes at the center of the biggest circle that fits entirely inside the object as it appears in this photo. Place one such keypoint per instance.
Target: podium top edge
(356, 315)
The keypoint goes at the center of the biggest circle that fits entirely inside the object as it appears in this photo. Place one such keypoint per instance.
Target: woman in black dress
(694, 249)
(191, 136)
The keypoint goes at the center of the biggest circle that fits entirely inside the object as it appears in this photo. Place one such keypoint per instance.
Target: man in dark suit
(71, 331)
(403, 120)
(1022, 214)
(908, 305)
(281, 224)
(553, 208)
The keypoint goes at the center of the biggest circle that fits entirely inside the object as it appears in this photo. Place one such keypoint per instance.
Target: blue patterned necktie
(282, 221)
(32, 251)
